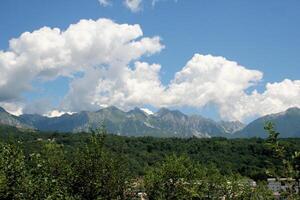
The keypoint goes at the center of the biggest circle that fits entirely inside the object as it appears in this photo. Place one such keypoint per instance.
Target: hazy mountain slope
(11, 120)
(64, 123)
(164, 123)
(132, 123)
(231, 127)
(287, 123)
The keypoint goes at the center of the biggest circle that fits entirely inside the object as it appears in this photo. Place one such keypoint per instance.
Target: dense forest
(97, 165)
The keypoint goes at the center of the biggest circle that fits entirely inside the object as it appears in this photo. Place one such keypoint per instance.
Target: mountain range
(287, 123)
(163, 123)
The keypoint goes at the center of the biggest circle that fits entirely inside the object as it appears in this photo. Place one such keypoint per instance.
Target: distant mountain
(163, 123)
(182, 125)
(231, 127)
(11, 120)
(64, 123)
(136, 122)
(286, 123)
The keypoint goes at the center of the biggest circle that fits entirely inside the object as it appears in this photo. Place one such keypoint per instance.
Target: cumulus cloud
(209, 79)
(205, 79)
(277, 97)
(103, 60)
(49, 52)
(117, 85)
(56, 113)
(133, 5)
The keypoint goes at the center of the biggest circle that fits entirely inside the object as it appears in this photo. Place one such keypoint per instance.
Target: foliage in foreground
(94, 170)
(90, 172)
(290, 164)
(96, 174)
(180, 178)
(247, 157)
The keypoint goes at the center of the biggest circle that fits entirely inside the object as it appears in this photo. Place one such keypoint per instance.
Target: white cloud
(276, 98)
(103, 60)
(56, 113)
(133, 5)
(117, 85)
(105, 2)
(204, 80)
(12, 107)
(49, 52)
(209, 79)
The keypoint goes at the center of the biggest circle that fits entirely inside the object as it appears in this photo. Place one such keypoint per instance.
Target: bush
(180, 178)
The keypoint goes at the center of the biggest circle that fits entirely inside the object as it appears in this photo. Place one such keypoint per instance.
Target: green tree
(290, 163)
(262, 192)
(12, 172)
(98, 174)
(180, 178)
(48, 173)
(170, 179)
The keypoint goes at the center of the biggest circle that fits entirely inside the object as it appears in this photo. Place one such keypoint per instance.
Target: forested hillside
(98, 165)
(248, 157)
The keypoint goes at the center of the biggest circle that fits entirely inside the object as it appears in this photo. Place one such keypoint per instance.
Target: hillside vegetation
(97, 165)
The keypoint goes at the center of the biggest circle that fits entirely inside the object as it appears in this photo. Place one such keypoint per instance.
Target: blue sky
(259, 35)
